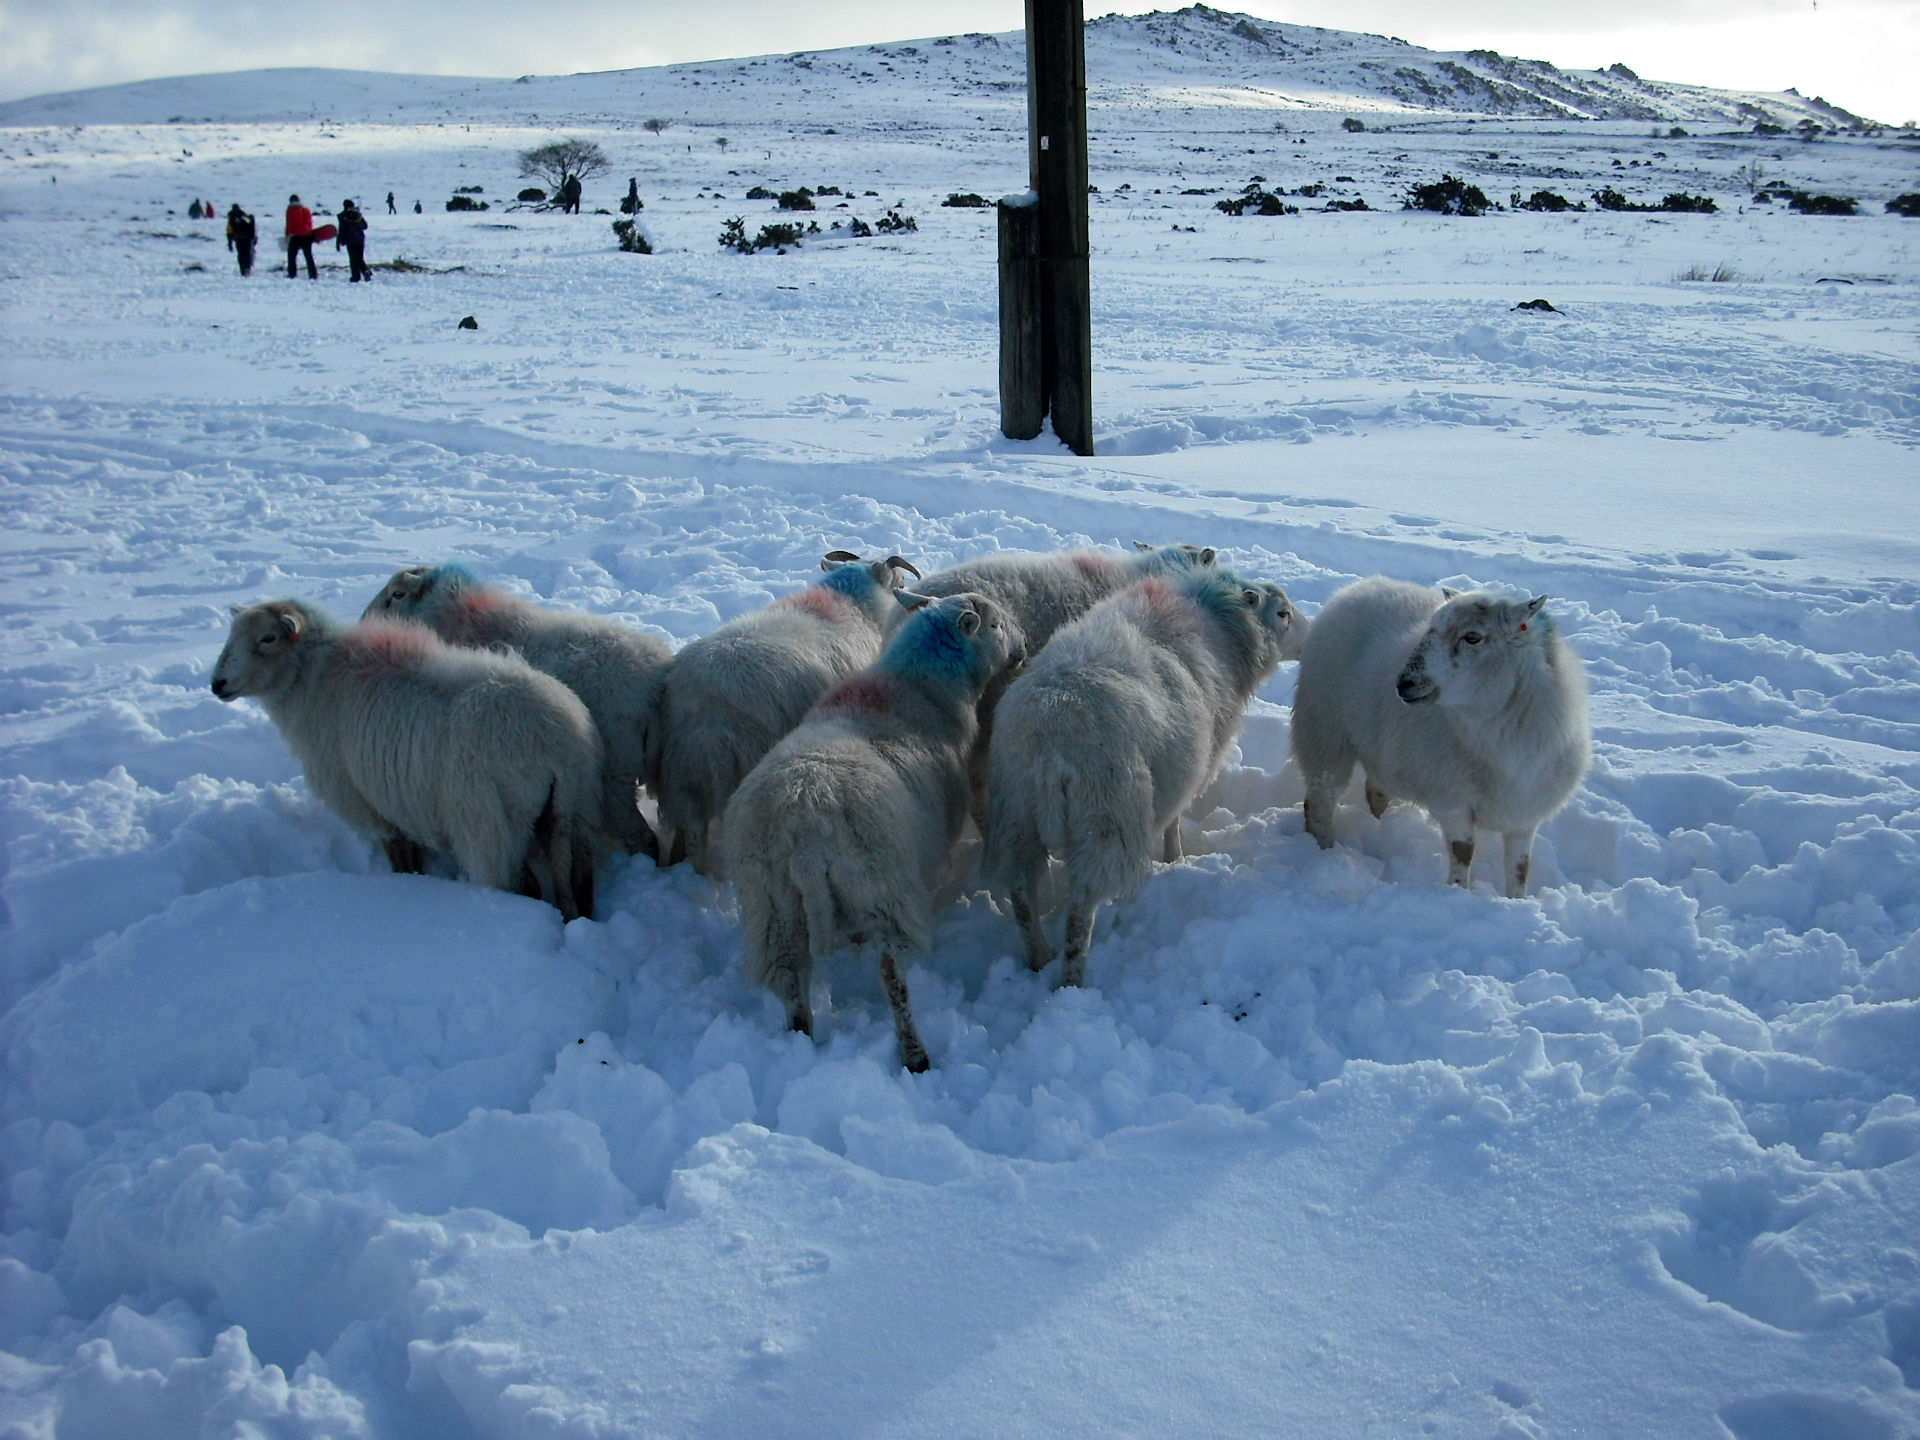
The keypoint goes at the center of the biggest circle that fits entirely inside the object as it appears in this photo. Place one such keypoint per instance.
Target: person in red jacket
(299, 238)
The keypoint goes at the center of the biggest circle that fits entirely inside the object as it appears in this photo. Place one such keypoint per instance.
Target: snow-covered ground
(296, 1147)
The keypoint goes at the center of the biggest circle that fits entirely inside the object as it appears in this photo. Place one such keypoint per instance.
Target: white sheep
(731, 694)
(840, 833)
(619, 673)
(1043, 592)
(1112, 730)
(1467, 704)
(419, 743)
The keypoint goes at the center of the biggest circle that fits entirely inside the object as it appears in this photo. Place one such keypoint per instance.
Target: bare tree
(563, 162)
(655, 126)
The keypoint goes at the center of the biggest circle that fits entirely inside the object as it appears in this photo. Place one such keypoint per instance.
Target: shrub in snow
(1448, 195)
(1258, 200)
(1467, 704)
(801, 199)
(966, 200)
(1907, 205)
(1550, 201)
(632, 238)
(466, 202)
(1352, 125)
(1678, 203)
(894, 223)
(759, 192)
(422, 745)
(840, 834)
(1822, 204)
(860, 229)
(1104, 740)
(618, 673)
(532, 195)
(731, 694)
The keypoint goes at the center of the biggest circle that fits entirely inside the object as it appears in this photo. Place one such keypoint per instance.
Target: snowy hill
(297, 1147)
(1185, 62)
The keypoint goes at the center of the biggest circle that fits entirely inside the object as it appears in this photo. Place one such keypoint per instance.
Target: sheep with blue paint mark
(619, 673)
(419, 743)
(840, 834)
(1470, 705)
(732, 694)
(1042, 593)
(1111, 731)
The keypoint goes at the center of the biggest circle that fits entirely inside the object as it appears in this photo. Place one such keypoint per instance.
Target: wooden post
(1023, 379)
(1059, 280)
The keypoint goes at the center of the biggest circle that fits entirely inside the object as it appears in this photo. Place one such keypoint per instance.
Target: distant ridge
(1194, 59)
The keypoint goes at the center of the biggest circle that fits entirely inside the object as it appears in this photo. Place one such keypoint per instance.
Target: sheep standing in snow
(1042, 593)
(1112, 730)
(840, 833)
(418, 743)
(1467, 704)
(732, 694)
(618, 673)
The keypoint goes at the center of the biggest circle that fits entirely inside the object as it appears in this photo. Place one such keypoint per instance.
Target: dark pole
(1058, 275)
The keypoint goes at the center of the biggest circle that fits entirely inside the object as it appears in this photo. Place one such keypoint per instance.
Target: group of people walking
(348, 232)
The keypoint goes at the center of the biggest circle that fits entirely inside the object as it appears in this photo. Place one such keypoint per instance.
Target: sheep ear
(1449, 592)
(900, 563)
(910, 601)
(967, 622)
(1142, 546)
(290, 626)
(837, 557)
(235, 609)
(1252, 597)
(1533, 605)
(1208, 555)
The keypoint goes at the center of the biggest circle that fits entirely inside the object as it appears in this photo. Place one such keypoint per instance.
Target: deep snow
(1325, 1147)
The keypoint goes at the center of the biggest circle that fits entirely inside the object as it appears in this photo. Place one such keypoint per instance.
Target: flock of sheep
(829, 749)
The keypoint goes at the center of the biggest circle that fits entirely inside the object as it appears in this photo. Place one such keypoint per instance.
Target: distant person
(570, 196)
(416, 207)
(300, 238)
(241, 235)
(352, 238)
(390, 209)
(193, 210)
(630, 204)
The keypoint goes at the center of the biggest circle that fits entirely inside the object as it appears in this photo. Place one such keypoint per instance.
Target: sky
(1860, 54)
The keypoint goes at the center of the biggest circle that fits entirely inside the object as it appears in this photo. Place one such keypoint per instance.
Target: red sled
(325, 232)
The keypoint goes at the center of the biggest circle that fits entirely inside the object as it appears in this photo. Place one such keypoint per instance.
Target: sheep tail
(809, 874)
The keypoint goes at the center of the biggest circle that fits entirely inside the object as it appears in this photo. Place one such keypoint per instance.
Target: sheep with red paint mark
(1043, 592)
(419, 743)
(731, 694)
(1110, 732)
(1470, 705)
(840, 833)
(619, 673)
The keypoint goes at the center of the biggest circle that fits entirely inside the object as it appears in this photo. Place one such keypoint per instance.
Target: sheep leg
(1457, 830)
(405, 855)
(553, 841)
(1518, 845)
(1039, 953)
(1377, 799)
(1323, 794)
(677, 848)
(912, 1052)
(1170, 847)
(1080, 913)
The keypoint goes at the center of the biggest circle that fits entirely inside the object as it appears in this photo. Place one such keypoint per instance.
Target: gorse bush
(1449, 195)
(965, 200)
(894, 223)
(632, 240)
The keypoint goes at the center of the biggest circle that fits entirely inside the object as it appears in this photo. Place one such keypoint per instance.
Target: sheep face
(1284, 626)
(1176, 557)
(262, 650)
(859, 579)
(1466, 658)
(403, 593)
(965, 636)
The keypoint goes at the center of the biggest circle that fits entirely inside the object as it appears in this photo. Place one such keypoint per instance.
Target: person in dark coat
(299, 238)
(390, 209)
(570, 196)
(241, 235)
(352, 238)
(630, 203)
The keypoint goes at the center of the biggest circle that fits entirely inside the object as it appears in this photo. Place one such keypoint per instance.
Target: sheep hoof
(1377, 800)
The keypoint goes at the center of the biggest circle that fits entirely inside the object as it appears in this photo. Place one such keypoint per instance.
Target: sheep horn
(906, 565)
(840, 555)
